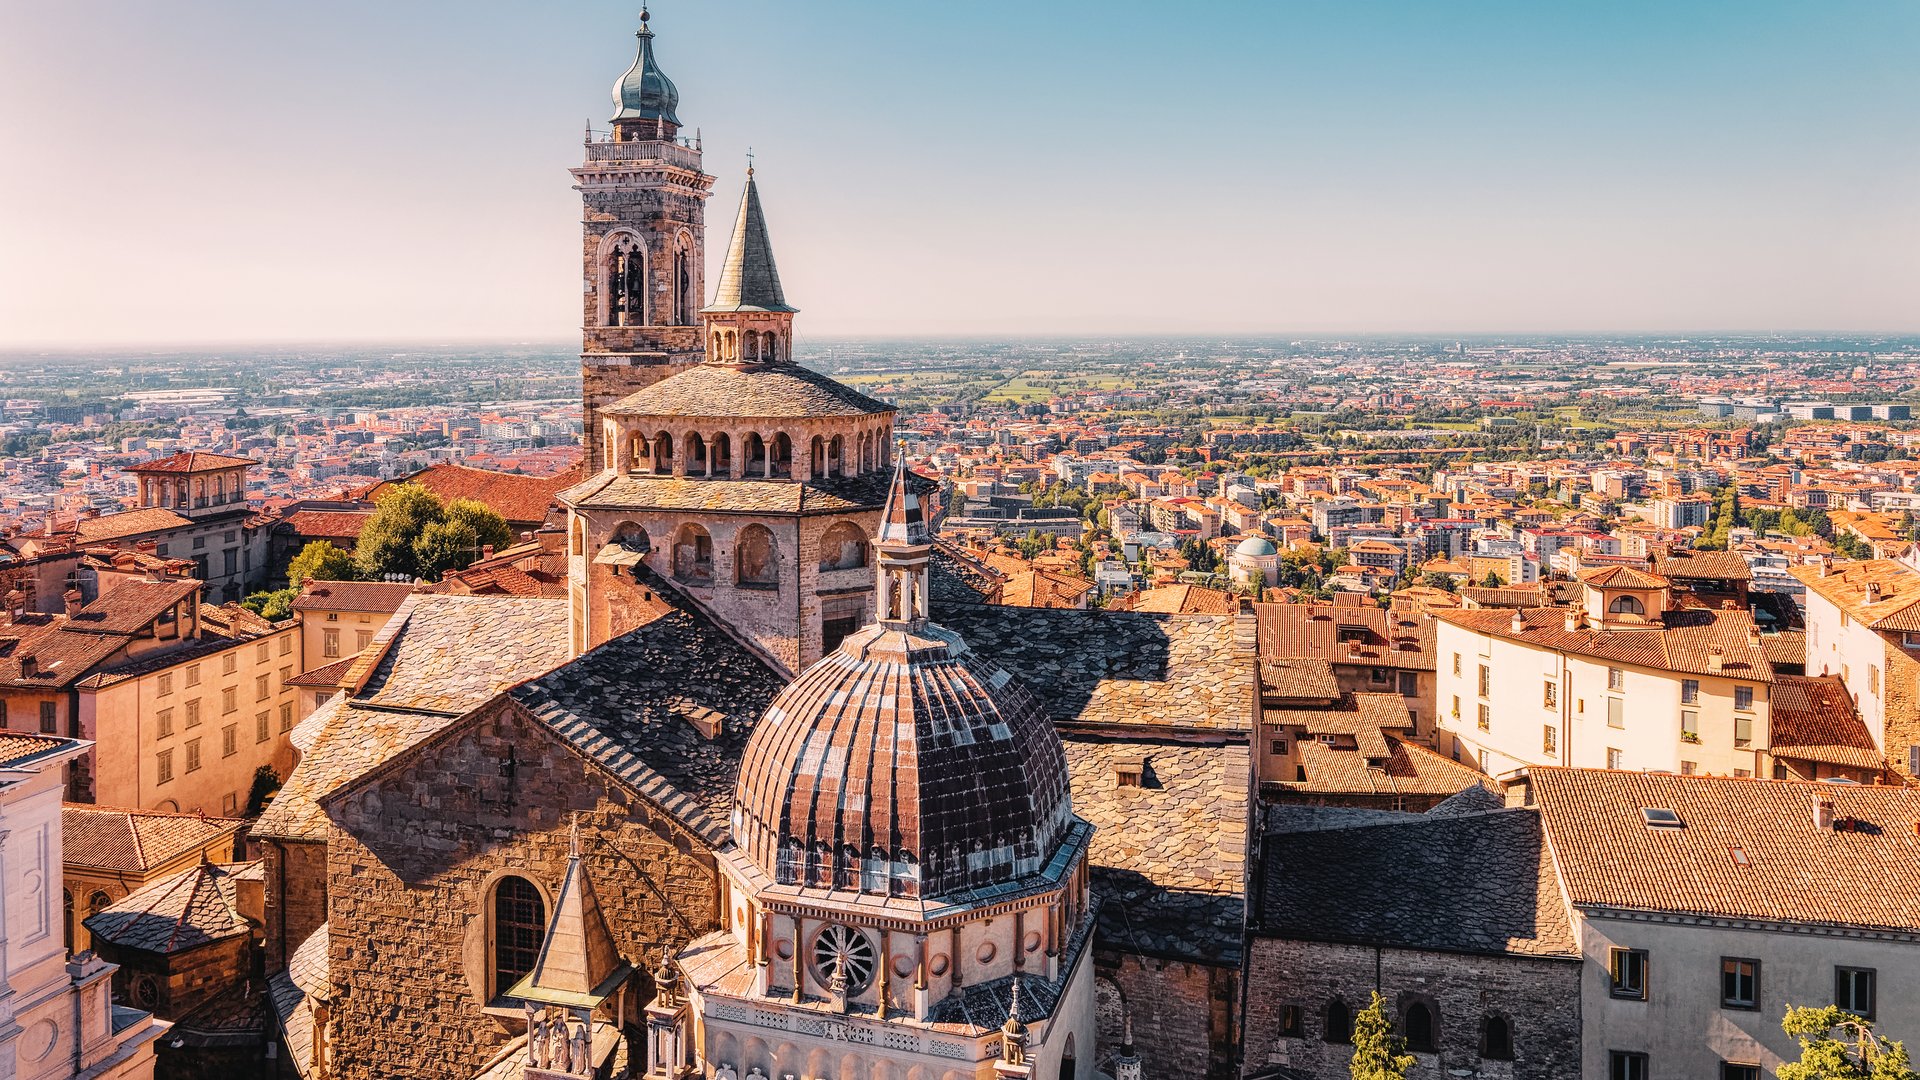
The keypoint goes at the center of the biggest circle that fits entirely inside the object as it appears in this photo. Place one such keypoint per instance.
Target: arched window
(817, 458)
(722, 454)
(837, 457)
(693, 555)
(631, 536)
(844, 547)
(1496, 1038)
(695, 450)
(756, 558)
(639, 453)
(579, 544)
(1339, 1025)
(713, 346)
(781, 455)
(519, 922)
(756, 453)
(684, 300)
(1421, 1027)
(624, 282)
(1627, 605)
(98, 903)
(663, 454)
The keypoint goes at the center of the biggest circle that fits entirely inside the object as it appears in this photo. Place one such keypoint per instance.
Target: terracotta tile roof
(1298, 679)
(1685, 564)
(1392, 638)
(1685, 642)
(1882, 593)
(121, 526)
(1107, 669)
(57, 658)
(1181, 600)
(1168, 856)
(1043, 589)
(137, 841)
(761, 391)
(384, 596)
(522, 500)
(1813, 719)
(1746, 849)
(19, 748)
(1788, 648)
(327, 524)
(1459, 882)
(326, 675)
(1624, 577)
(131, 606)
(1409, 769)
(190, 461)
(193, 908)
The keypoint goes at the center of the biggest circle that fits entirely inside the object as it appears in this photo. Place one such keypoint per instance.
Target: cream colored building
(1863, 624)
(1629, 681)
(57, 1019)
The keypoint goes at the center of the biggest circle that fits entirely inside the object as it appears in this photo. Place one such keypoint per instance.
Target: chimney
(1822, 810)
(1716, 659)
(1753, 637)
(1576, 620)
(486, 551)
(75, 602)
(1873, 592)
(1519, 622)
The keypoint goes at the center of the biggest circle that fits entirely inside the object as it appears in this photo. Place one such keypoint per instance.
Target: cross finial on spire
(749, 161)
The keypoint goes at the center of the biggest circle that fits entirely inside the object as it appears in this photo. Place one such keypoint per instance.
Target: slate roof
(193, 908)
(1410, 769)
(1116, 669)
(136, 841)
(1787, 868)
(130, 606)
(1682, 643)
(752, 392)
(956, 576)
(749, 280)
(191, 461)
(621, 491)
(1813, 719)
(353, 596)
(1469, 883)
(1168, 856)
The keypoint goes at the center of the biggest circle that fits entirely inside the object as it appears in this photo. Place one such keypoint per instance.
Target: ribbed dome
(902, 763)
(645, 92)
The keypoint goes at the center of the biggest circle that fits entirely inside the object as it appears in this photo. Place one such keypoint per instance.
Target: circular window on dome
(849, 950)
(987, 953)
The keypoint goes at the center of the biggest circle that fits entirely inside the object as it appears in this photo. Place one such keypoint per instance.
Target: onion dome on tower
(645, 93)
(903, 764)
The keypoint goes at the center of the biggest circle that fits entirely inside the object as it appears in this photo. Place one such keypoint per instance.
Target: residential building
(1371, 649)
(1863, 625)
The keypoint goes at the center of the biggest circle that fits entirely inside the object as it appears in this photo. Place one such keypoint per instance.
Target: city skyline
(359, 174)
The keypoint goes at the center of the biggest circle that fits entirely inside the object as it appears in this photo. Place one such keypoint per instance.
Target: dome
(1256, 547)
(902, 764)
(645, 92)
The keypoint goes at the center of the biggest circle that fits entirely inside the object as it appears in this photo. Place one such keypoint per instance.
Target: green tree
(1837, 1045)
(321, 561)
(1434, 579)
(266, 783)
(401, 513)
(489, 528)
(1378, 1054)
(1257, 583)
(273, 606)
(1493, 580)
(444, 546)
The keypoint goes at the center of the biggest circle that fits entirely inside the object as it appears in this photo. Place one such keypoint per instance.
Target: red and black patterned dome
(902, 764)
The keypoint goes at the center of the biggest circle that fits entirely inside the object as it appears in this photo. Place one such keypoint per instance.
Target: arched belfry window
(684, 302)
(519, 924)
(624, 276)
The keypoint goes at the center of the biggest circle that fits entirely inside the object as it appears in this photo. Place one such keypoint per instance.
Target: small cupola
(749, 321)
(644, 99)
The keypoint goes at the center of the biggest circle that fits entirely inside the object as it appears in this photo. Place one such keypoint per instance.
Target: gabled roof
(1181, 600)
(191, 461)
(1623, 577)
(1882, 593)
(121, 526)
(193, 908)
(1687, 564)
(1684, 643)
(1745, 849)
(137, 841)
(353, 596)
(131, 606)
(1813, 719)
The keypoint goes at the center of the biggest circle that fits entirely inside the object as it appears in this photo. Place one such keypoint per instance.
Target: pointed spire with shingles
(748, 280)
(903, 521)
(577, 958)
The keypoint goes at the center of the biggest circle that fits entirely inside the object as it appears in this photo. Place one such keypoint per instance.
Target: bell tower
(643, 249)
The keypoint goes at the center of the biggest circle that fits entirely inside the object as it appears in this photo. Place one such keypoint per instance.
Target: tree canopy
(321, 561)
(413, 534)
(1838, 1045)
(1378, 1054)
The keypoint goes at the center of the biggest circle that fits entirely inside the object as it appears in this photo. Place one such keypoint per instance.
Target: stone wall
(417, 852)
(296, 904)
(1539, 997)
(1183, 1014)
(1901, 687)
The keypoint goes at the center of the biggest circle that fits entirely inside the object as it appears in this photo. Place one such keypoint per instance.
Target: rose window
(847, 948)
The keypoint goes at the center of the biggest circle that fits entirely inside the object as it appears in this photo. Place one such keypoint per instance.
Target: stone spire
(577, 958)
(749, 281)
(1126, 1063)
(1013, 1033)
(904, 550)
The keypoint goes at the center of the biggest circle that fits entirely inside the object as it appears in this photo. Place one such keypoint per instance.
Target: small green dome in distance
(645, 92)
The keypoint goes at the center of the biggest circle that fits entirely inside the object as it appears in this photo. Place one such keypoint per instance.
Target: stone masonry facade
(416, 852)
(1183, 1013)
(1538, 997)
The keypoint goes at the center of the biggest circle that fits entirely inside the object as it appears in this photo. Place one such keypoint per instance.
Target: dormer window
(1130, 772)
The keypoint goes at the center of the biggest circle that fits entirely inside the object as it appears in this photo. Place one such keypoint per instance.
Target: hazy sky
(254, 170)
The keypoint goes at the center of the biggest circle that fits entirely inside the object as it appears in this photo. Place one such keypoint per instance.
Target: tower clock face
(850, 949)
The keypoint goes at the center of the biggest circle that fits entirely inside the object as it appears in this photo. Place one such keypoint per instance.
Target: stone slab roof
(1471, 883)
(451, 653)
(108, 527)
(195, 907)
(1168, 856)
(1118, 669)
(136, 841)
(1813, 719)
(751, 392)
(1745, 848)
(836, 495)
(1410, 769)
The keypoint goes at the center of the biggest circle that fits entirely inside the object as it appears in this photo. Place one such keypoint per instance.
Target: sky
(229, 171)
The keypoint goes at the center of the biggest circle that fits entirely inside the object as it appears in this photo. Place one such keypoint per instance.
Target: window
(1688, 768)
(1549, 740)
(193, 754)
(1456, 663)
(362, 639)
(193, 713)
(1615, 759)
(261, 652)
(3, 714)
(1378, 676)
(193, 675)
(1730, 1071)
(286, 718)
(1616, 679)
(1486, 680)
(1291, 1024)
(1420, 1027)
(286, 644)
(1690, 724)
(286, 676)
(1409, 684)
(1689, 691)
(163, 764)
(1550, 694)
(49, 718)
(1496, 1039)
(1278, 748)
(1339, 1025)
(519, 923)
(1629, 971)
(229, 663)
(229, 700)
(1873, 678)
(163, 720)
(165, 686)
(260, 691)
(1616, 712)
(330, 643)
(756, 558)
(1622, 1065)
(1853, 990)
(1743, 731)
(1456, 708)
(1739, 983)
(262, 727)
(230, 740)
(1743, 698)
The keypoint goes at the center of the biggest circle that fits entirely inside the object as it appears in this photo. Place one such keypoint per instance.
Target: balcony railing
(679, 155)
